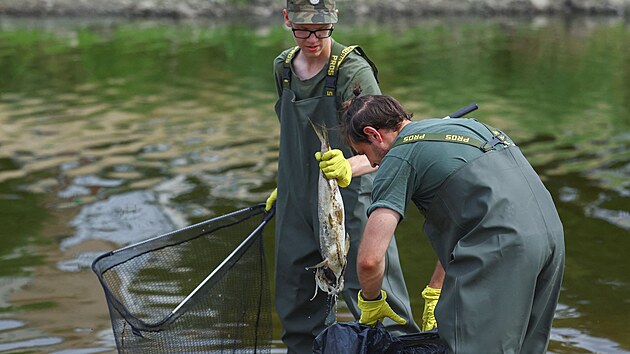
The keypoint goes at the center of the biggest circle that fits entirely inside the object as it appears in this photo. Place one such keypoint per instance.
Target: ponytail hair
(377, 111)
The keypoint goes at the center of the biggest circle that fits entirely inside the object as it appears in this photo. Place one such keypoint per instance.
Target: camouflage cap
(312, 11)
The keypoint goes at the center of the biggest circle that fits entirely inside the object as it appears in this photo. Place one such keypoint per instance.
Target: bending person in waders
(312, 80)
(488, 216)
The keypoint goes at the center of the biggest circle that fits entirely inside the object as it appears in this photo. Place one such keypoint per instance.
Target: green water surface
(91, 109)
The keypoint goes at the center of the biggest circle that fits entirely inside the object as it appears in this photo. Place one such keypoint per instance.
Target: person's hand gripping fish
(334, 165)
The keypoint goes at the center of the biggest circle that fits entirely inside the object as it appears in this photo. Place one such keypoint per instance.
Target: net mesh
(201, 289)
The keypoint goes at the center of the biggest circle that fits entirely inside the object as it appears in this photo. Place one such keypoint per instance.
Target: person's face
(312, 38)
(311, 43)
(374, 151)
(378, 144)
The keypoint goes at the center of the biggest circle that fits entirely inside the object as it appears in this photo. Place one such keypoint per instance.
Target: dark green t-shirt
(415, 171)
(352, 70)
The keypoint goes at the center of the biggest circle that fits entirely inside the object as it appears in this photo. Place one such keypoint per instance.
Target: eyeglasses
(305, 34)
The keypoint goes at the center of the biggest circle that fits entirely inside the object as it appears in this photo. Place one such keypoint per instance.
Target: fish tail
(315, 295)
(320, 276)
(323, 263)
(321, 131)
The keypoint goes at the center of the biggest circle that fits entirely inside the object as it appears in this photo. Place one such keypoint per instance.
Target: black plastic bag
(355, 338)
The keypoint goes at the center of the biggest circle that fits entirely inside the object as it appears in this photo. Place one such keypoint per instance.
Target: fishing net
(200, 289)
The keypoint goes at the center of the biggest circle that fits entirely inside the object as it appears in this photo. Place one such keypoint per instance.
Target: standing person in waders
(488, 216)
(312, 80)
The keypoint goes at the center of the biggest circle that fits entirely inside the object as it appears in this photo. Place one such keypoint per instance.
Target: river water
(113, 131)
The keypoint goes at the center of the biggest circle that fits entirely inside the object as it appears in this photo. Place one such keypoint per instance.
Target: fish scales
(333, 239)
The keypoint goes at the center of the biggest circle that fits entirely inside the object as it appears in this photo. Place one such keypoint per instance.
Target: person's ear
(285, 14)
(372, 134)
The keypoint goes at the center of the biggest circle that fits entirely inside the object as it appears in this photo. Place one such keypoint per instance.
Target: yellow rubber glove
(377, 310)
(334, 165)
(271, 200)
(431, 296)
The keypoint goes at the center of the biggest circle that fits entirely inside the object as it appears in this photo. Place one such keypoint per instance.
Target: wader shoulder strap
(339, 53)
(286, 67)
(485, 146)
(360, 51)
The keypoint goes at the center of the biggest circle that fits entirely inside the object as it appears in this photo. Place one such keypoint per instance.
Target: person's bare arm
(437, 279)
(378, 233)
(360, 165)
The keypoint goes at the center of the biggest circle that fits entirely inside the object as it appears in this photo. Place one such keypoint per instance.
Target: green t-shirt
(415, 171)
(354, 69)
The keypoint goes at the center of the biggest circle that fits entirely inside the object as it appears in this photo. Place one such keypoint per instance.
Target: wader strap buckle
(331, 85)
(286, 67)
(497, 138)
(490, 144)
(286, 75)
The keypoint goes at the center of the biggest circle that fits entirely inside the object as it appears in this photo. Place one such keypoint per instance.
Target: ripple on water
(30, 343)
(574, 340)
(619, 218)
(122, 219)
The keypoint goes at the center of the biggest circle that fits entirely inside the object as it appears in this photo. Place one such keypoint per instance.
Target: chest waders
(496, 231)
(297, 226)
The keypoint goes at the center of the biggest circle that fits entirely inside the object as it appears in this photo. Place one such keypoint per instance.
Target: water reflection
(576, 341)
(113, 131)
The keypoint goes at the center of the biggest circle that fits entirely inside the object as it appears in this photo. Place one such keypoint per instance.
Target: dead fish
(334, 242)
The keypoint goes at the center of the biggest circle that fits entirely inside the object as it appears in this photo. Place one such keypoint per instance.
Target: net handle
(222, 268)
